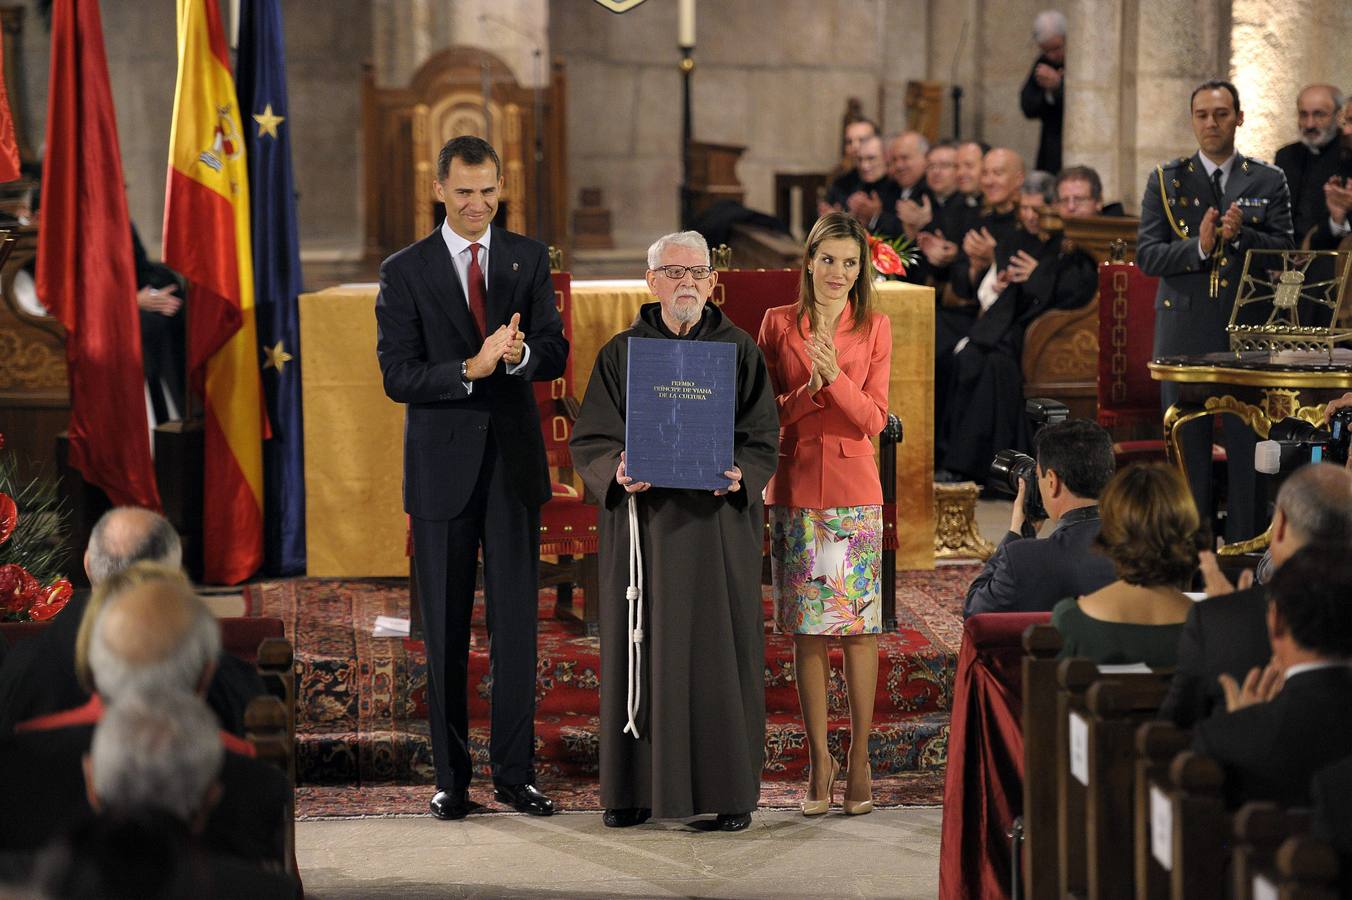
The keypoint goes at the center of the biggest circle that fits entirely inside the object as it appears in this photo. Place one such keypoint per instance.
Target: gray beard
(1323, 138)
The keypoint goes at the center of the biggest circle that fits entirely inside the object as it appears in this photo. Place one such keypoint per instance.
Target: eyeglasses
(676, 273)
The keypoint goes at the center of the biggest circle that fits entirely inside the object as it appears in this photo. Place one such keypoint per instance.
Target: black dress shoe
(525, 798)
(451, 805)
(733, 821)
(625, 818)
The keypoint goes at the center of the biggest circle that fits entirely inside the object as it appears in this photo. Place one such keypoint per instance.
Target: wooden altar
(462, 90)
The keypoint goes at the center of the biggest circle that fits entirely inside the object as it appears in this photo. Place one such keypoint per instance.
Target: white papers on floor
(389, 626)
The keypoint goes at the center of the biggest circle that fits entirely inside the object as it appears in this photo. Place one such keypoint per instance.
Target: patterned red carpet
(362, 734)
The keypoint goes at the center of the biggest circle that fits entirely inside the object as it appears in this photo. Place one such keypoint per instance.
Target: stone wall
(324, 56)
(772, 75)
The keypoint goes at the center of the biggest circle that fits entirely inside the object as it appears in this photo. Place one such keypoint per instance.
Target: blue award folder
(681, 401)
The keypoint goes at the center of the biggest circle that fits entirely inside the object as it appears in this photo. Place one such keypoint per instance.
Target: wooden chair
(1073, 679)
(1041, 644)
(1260, 829)
(1061, 347)
(1304, 868)
(267, 727)
(1188, 826)
(1117, 705)
(1157, 743)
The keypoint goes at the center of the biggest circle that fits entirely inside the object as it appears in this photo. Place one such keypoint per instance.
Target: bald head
(1317, 113)
(126, 535)
(1002, 173)
(1315, 505)
(906, 157)
(152, 633)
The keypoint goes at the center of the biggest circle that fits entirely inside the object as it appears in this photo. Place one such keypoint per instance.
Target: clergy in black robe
(984, 408)
(701, 711)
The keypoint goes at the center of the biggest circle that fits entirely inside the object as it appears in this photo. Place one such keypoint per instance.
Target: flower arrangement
(32, 532)
(891, 257)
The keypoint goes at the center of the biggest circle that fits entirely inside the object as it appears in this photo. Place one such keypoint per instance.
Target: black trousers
(1245, 514)
(445, 554)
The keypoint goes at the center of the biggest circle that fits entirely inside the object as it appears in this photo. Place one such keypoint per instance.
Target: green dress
(1114, 643)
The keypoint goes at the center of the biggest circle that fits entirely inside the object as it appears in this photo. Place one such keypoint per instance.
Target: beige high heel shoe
(860, 807)
(821, 807)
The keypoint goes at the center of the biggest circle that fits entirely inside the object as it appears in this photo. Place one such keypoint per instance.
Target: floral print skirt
(826, 569)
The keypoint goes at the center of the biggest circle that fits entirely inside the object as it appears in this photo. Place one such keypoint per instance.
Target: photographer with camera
(1074, 460)
(1343, 402)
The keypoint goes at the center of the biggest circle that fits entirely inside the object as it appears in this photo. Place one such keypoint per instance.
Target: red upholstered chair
(1128, 398)
(567, 522)
(983, 780)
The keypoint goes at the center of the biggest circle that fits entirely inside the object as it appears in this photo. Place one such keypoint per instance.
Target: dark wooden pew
(1041, 644)
(1118, 704)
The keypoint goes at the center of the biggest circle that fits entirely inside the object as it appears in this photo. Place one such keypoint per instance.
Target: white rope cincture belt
(634, 594)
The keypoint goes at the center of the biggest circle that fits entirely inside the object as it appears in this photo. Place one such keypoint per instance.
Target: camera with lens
(1012, 466)
(1293, 443)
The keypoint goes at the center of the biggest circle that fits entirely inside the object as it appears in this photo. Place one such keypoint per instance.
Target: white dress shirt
(460, 258)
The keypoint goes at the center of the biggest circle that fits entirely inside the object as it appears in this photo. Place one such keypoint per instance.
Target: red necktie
(478, 304)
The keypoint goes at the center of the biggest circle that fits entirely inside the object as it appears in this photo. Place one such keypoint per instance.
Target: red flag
(86, 273)
(206, 237)
(9, 143)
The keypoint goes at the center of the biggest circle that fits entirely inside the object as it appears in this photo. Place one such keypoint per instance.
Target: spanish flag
(206, 237)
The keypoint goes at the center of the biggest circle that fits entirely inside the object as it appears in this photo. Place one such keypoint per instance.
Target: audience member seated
(151, 634)
(1310, 162)
(874, 192)
(938, 225)
(857, 133)
(1074, 462)
(1331, 799)
(966, 439)
(1150, 531)
(39, 676)
(906, 166)
(1227, 634)
(1293, 718)
(980, 411)
(153, 775)
(1044, 96)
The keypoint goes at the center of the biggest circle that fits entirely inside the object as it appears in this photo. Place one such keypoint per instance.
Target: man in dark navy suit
(1074, 463)
(1294, 719)
(466, 321)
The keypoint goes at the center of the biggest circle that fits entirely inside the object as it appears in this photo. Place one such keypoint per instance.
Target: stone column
(1127, 109)
(409, 32)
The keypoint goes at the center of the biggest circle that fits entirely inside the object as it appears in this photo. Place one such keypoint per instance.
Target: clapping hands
(1338, 198)
(1021, 266)
(507, 345)
(823, 369)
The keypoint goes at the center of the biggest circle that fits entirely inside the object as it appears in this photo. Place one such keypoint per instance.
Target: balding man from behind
(153, 777)
(1227, 634)
(38, 676)
(150, 634)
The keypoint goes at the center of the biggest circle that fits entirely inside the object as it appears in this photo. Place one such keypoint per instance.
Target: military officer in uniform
(1199, 217)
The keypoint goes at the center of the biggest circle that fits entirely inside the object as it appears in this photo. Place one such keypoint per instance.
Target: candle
(685, 18)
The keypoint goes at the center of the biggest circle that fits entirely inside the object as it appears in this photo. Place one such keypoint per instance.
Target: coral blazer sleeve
(826, 455)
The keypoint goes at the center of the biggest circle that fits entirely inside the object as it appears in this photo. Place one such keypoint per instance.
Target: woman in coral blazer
(829, 357)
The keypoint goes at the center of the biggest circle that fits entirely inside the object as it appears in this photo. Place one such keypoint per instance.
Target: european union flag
(260, 79)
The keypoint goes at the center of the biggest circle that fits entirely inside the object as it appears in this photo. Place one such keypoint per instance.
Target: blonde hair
(1149, 525)
(863, 296)
(115, 584)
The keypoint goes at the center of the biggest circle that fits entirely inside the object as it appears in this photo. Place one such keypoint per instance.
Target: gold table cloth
(354, 518)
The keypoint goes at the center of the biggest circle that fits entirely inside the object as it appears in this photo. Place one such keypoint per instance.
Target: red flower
(885, 258)
(18, 589)
(50, 601)
(9, 516)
